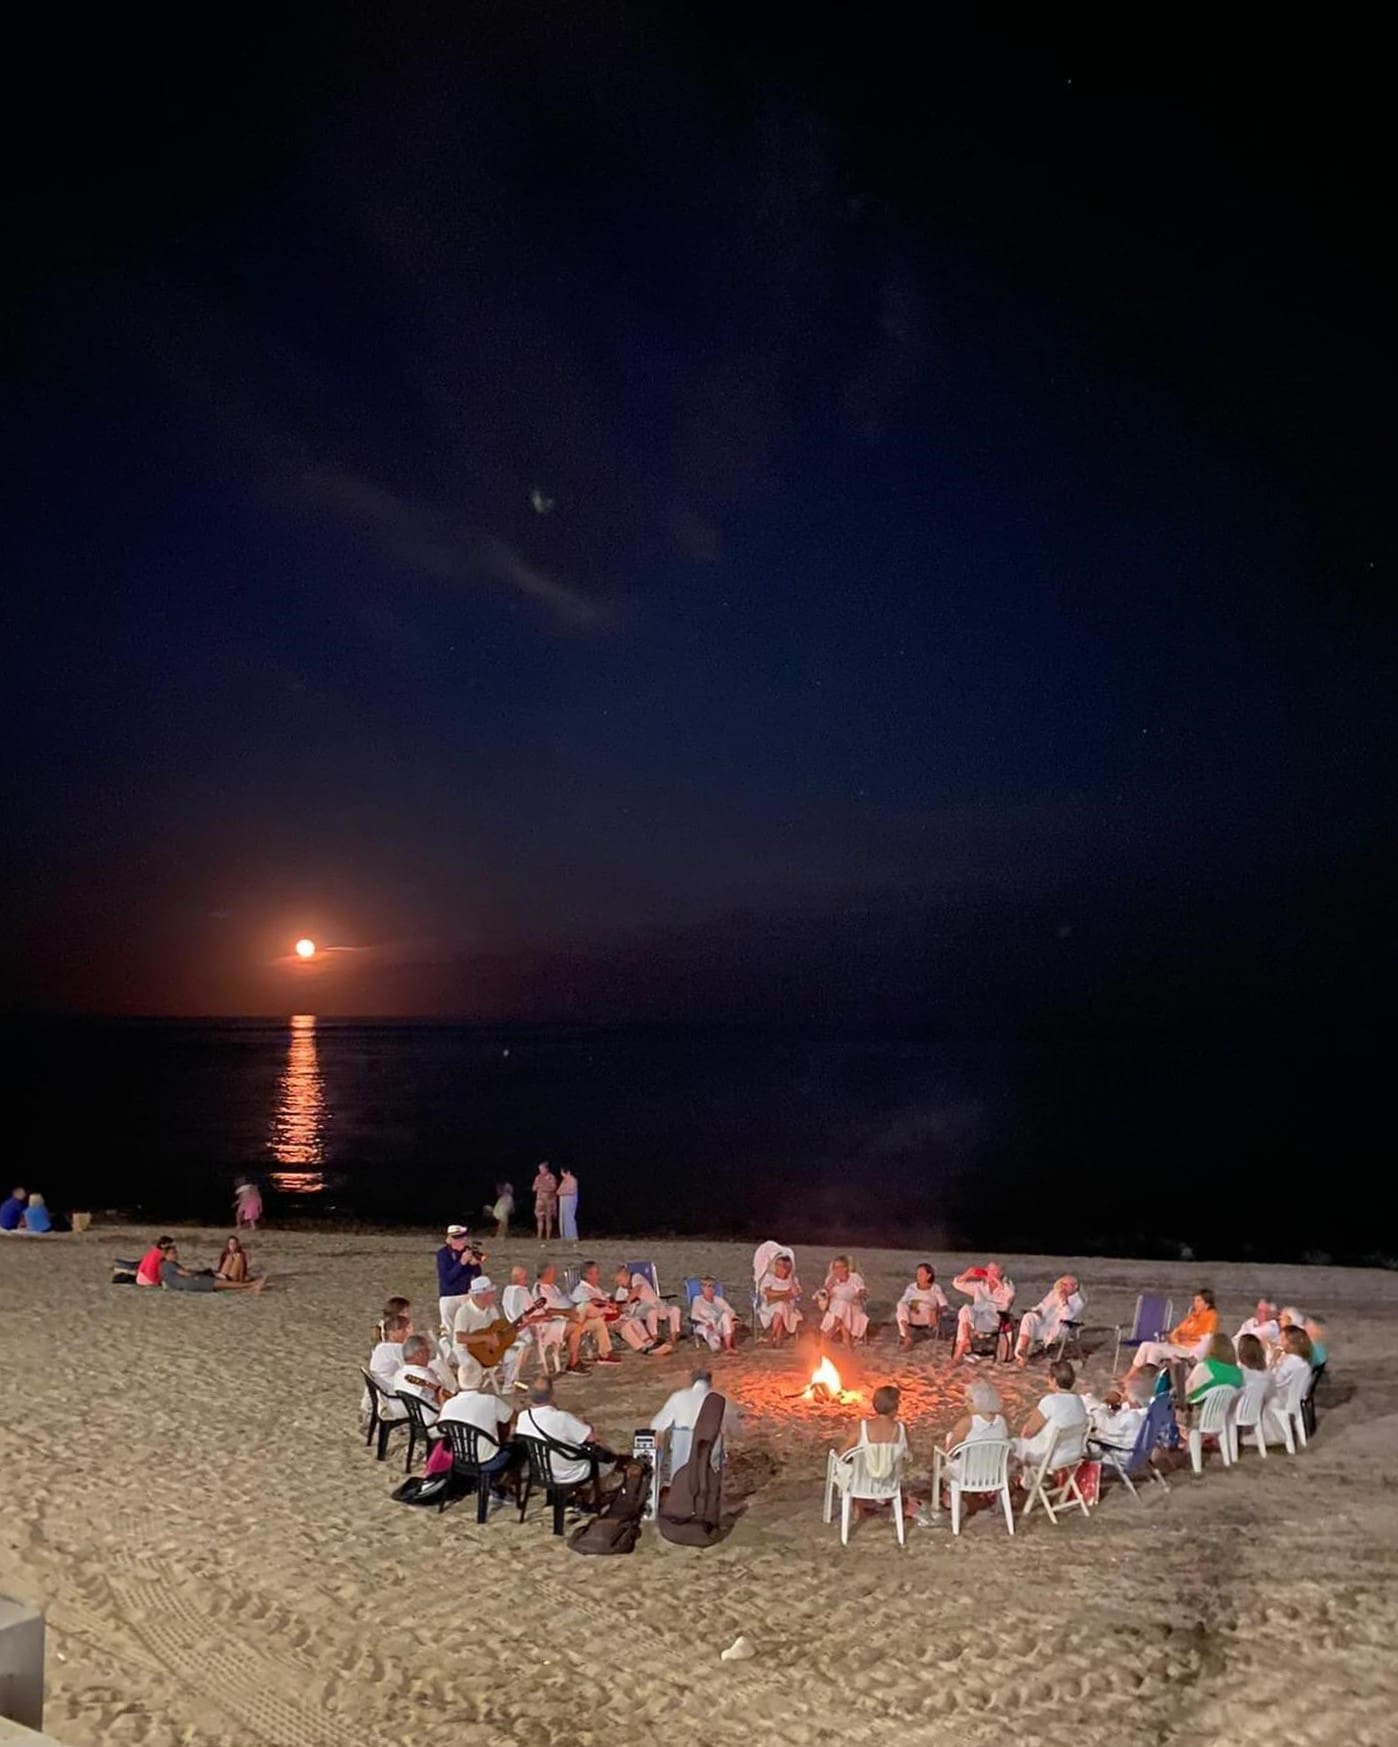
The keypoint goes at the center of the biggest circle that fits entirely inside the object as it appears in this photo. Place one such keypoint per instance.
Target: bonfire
(825, 1387)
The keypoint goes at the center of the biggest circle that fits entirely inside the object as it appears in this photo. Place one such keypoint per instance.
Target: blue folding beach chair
(648, 1270)
(1158, 1431)
(1152, 1322)
(692, 1287)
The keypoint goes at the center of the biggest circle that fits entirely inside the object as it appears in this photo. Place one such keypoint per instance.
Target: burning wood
(825, 1387)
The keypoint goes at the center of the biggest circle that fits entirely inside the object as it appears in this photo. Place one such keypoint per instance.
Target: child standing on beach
(247, 1204)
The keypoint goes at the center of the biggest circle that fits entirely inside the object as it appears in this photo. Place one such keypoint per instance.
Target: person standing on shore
(545, 1202)
(568, 1207)
(247, 1204)
(457, 1266)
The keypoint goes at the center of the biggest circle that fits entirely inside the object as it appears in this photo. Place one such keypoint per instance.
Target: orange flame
(826, 1385)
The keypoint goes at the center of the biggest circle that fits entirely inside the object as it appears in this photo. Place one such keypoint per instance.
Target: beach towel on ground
(691, 1506)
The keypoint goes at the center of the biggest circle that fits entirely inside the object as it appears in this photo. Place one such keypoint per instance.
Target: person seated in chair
(600, 1316)
(713, 1318)
(921, 1305)
(1315, 1334)
(777, 1293)
(842, 1298)
(415, 1376)
(992, 1293)
(1264, 1323)
(1292, 1359)
(543, 1418)
(1216, 1369)
(982, 1422)
(1189, 1336)
(1061, 1411)
(1117, 1418)
(1046, 1321)
(476, 1405)
(642, 1313)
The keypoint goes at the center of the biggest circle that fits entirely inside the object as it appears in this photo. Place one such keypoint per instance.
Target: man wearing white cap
(457, 1265)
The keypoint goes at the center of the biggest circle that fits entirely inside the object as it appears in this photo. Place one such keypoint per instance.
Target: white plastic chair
(1283, 1418)
(870, 1471)
(1214, 1420)
(978, 1465)
(1066, 1451)
(1249, 1414)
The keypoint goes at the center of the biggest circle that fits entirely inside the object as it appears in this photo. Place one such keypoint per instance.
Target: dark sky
(626, 510)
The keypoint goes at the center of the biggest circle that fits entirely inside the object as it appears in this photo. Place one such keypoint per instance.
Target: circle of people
(1270, 1361)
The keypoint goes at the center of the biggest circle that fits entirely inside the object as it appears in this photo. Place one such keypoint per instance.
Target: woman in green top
(1218, 1368)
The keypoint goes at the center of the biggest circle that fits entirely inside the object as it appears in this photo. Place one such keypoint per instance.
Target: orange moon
(305, 949)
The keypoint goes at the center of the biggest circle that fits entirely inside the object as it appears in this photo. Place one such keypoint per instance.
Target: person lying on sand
(160, 1266)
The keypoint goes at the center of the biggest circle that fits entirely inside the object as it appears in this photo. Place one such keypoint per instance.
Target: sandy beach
(220, 1562)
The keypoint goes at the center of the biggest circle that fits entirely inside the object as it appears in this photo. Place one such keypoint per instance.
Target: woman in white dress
(842, 1299)
(778, 1296)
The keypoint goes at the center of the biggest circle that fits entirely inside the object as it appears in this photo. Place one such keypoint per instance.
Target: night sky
(628, 511)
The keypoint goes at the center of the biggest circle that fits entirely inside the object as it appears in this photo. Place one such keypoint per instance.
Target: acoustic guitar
(488, 1345)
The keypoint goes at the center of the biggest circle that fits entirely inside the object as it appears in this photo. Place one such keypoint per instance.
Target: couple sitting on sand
(161, 1266)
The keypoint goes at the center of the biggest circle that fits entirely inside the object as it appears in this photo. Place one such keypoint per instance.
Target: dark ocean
(1130, 1145)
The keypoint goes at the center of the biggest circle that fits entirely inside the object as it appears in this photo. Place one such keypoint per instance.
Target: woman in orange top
(1187, 1339)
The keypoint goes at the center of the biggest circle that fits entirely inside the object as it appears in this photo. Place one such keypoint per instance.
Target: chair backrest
(466, 1442)
(1214, 1409)
(416, 1409)
(1153, 1313)
(1253, 1398)
(376, 1389)
(540, 1453)
(1295, 1391)
(646, 1268)
(983, 1464)
(1158, 1427)
(693, 1285)
(876, 1470)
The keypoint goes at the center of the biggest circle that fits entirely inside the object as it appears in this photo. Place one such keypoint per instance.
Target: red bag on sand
(1090, 1481)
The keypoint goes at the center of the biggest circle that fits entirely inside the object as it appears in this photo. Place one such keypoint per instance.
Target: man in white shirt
(1061, 1410)
(676, 1420)
(415, 1376)
(517, 1303)
(600, 1317)
(1266, 1324)
(475, 1405)
(842, 1299)
(542, 1419)
(713, 1317)
(921, 1305)
(640, 1300)
(1044, 1323)
(991, 1294)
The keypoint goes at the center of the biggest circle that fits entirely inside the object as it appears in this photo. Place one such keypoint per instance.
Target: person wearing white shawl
(842, 1299)
(778, 1291)
(921, 1305)
(1044, 1323)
